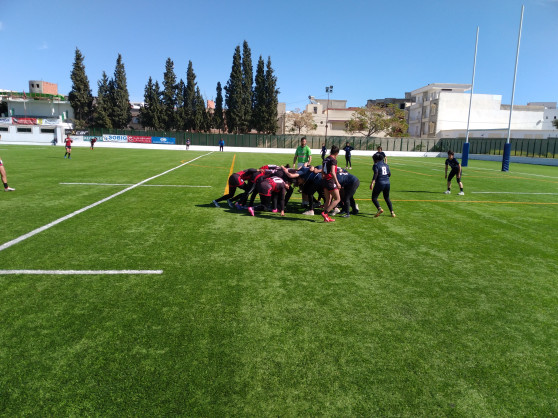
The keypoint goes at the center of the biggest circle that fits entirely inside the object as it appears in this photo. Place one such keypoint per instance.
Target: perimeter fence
(545, 148)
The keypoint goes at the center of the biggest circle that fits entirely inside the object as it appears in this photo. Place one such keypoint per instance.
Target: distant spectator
(221, 144)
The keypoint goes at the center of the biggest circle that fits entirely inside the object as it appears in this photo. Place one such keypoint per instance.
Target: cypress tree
(271, 100)
(247, 86)
(146, 111)
(180, 114)
(157, 113)
(80, 96)
(102, 109)
(218, 116)
(199, 112)
(260, 98)
(233, 96)
(120, 113)
(190, 97)
(169, 96)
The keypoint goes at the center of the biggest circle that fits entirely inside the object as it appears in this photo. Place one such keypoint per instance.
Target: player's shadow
(279, 217)
(418, 191)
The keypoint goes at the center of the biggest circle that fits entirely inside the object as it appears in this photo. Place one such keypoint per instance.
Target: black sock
(5, 185)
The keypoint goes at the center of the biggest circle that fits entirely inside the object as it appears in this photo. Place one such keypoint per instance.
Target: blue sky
(366, 49)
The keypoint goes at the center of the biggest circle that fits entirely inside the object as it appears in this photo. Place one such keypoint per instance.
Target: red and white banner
(141, 139)
(25, 121)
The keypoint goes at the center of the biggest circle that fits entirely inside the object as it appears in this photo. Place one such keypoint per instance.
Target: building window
(4, 129)
(47, 130)
(24, 130)
(315, 110)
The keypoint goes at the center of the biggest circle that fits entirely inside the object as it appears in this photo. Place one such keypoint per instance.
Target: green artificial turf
(448, 309)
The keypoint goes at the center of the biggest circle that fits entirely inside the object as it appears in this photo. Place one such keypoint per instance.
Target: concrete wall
(38, 135)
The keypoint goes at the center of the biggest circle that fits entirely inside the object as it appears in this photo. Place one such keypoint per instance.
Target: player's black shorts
(454, 173)
(329, 184)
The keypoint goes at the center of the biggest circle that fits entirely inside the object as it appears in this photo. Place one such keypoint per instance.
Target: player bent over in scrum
(271, 190)
(380, 184)
(349, 185)
(236, 180)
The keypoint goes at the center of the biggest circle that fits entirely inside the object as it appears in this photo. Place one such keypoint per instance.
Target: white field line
(479, 168)
(77, 212)
(512, 193)
(130, 184)
(79, 272)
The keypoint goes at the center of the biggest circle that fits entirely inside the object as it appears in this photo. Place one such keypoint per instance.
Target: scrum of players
(327, 187)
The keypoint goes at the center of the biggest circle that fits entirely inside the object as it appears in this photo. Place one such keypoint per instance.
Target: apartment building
(440, 110)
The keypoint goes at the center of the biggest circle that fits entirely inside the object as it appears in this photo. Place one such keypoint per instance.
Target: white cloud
(43, 46)
(1, 25)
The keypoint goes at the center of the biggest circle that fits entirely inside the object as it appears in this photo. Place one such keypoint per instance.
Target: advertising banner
(48, 121)
(141, 139)
(88, 138)
(115, 138)
(75, 132)
(25, 121)
(161, 140)
(7, 121)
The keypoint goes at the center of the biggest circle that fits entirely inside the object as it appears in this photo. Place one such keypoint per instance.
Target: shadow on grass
(419, 191)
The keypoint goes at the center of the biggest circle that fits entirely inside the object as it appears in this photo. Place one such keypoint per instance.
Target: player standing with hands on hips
(455, 171)
(380, 184)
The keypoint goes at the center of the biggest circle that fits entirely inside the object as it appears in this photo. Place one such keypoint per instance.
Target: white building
(440, 111)
(333, 116)
(35, 121)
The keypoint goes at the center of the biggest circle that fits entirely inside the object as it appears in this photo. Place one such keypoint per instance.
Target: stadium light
(329, 89)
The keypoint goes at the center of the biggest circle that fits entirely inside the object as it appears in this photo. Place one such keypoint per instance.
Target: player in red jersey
(93, 140)
(236, 180)
(271, 190)
(68, 141)
(4, 177)
(330, 183)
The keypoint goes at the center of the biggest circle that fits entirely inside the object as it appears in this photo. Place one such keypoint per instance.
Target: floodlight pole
(329, 89)
(507, 147)
(465, 155)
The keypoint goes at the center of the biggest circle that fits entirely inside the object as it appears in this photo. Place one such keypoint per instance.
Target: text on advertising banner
(141, 139)
(115, 138)
(163, 140)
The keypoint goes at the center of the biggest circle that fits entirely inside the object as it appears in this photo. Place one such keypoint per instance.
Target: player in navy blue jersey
(348, 150)
(380, 184)
(349, 185)
(382, 153)
(455, 172)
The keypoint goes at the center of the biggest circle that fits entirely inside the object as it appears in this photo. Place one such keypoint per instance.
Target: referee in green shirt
(302, 154)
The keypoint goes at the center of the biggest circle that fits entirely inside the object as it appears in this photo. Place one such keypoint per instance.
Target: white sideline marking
(66, 272)
(130, 184)
(77, 212)
(511, 193)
